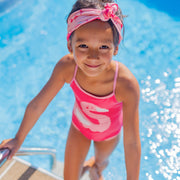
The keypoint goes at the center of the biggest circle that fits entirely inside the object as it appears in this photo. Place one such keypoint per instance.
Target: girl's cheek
(106, 55)
(81, 53)
(78, 56)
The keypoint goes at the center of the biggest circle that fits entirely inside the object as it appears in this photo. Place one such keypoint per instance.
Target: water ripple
(163, 126)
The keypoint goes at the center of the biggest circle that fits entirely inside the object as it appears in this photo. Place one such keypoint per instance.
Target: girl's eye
(104, 47)
(83, 46)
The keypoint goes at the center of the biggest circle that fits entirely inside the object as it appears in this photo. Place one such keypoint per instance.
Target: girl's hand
(12, 144)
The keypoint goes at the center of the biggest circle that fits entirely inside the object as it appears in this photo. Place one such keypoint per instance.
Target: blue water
(33, 39)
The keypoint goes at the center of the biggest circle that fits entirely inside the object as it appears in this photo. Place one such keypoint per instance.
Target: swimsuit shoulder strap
(115, 77)
(75, 71)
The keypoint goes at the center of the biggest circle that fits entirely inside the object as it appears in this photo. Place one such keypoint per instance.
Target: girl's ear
(116, 50)
(69, 46)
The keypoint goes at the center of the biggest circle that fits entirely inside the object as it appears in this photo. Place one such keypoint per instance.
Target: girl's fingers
(12, 153)
(11, 145)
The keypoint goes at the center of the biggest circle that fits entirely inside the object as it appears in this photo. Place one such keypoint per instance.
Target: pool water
(33, 39)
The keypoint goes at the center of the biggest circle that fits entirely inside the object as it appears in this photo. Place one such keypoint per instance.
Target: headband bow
(109, 11)
(83, 16)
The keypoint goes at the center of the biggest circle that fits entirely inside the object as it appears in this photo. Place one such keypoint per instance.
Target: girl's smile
(93, 48)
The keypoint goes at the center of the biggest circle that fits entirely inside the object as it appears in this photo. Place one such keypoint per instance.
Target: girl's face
(92, 47)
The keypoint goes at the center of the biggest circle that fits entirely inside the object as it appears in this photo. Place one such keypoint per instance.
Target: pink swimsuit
(97, 118)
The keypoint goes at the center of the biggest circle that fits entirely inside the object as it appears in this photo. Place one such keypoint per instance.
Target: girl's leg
(77, 147)
(102, 152)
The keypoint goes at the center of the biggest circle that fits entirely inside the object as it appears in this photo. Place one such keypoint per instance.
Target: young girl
(106, 92)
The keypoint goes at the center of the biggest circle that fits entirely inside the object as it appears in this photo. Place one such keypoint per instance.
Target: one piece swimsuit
(97, 118)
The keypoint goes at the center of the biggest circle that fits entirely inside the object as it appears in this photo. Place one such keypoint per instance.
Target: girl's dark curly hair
(99, 4)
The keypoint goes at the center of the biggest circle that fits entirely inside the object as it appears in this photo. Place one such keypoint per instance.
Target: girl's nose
(93, 54)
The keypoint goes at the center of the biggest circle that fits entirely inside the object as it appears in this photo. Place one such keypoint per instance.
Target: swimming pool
(32, 40)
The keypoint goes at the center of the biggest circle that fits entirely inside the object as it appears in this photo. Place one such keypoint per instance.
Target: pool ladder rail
(39, 151)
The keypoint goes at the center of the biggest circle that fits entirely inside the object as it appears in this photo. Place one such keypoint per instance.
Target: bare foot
(87, 165)
(95, 172)
(94, 169)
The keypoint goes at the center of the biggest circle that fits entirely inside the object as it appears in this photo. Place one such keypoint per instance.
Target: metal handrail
(38, 151)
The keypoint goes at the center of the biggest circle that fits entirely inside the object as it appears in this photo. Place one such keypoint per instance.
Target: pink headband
(83, 16)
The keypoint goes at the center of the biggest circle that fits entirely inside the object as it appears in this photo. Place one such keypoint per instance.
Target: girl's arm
(37, 106)
(132, 145)
(127, 91)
